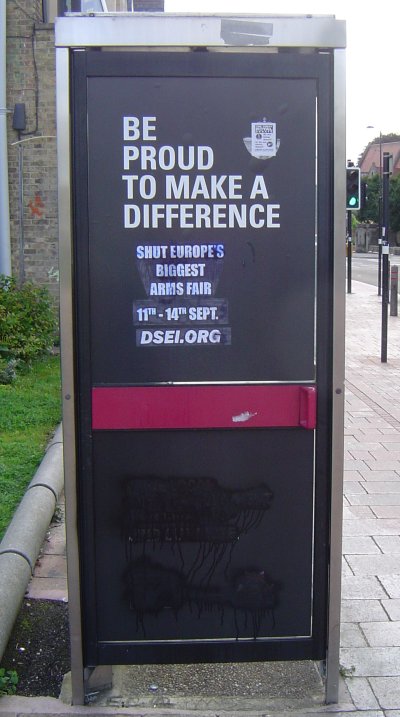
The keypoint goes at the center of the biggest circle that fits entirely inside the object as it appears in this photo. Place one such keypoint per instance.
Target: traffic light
(364, 194)
(352, 188)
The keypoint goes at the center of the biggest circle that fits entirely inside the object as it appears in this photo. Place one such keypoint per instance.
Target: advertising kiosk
(201, 185)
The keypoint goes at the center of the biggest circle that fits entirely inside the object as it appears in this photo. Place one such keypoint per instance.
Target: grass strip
(30, 410)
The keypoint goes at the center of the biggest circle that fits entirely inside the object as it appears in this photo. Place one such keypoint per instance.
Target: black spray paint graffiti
(174, 511)
(152, 588)
(202, 522)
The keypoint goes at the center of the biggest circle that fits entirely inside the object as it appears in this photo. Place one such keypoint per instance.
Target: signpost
(199, 363)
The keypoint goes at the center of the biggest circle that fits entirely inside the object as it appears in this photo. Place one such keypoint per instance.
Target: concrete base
(275, 689)
(245, 687)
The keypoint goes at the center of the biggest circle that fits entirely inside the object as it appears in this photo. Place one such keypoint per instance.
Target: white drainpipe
(5, 248)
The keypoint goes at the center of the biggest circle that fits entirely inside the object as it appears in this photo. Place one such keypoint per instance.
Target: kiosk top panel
(259, 32)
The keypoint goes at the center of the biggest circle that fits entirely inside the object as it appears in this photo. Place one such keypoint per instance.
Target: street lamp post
(380, 217)
(370, 126)
(385, 247)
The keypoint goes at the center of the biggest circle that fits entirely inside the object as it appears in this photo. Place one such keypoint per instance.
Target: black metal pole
(385, 300)
(394, 290)
(380, 262)
(349, 250)
(385, 196)
(385, 254)
(380, 219)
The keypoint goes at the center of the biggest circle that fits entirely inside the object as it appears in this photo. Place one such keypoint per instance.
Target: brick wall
(32, 162)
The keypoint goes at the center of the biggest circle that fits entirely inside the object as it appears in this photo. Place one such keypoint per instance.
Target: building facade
(32, 157)
(31, 130)
(372, 159)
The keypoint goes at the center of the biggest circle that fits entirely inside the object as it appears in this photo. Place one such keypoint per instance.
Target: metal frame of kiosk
(203, 405)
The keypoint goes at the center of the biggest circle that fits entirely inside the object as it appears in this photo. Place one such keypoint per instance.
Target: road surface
(364, 267)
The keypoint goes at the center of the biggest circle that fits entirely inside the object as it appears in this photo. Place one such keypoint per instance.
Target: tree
(394, 203)
(370, 213)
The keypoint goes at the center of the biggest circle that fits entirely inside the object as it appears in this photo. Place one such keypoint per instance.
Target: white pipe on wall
(5, 248)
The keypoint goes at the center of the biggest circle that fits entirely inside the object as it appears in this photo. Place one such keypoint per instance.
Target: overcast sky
(373, 55)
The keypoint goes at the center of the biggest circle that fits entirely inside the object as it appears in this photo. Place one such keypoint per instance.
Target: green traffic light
(353, 188)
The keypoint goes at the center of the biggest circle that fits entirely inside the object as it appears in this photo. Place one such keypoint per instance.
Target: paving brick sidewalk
(370, 653)
(371, 526)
